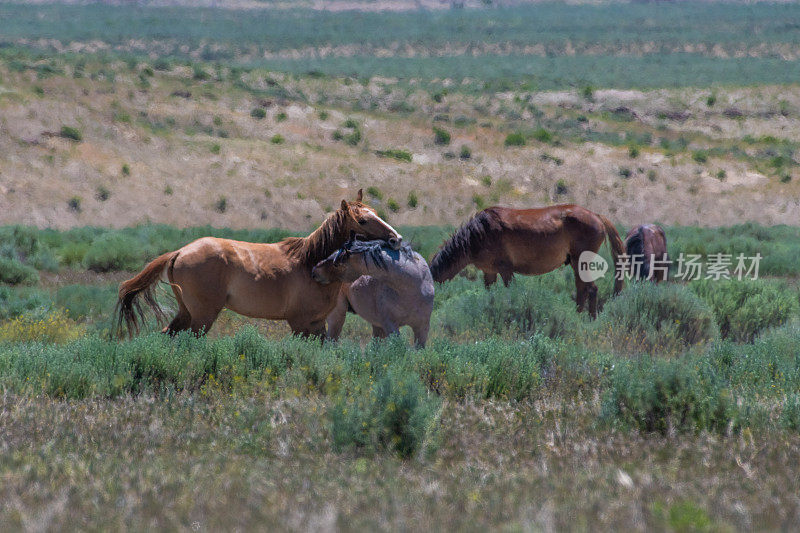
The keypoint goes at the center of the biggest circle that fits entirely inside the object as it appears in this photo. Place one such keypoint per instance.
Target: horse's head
(334, 267)
(365, 222)
(354, 259)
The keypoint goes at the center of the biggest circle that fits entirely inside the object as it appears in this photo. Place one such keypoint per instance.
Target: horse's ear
(345, 206)
(360, 195)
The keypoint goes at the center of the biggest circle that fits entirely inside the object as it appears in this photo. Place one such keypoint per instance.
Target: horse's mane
(465, 243)
(634, 247)
(321, 243)
(373, 250)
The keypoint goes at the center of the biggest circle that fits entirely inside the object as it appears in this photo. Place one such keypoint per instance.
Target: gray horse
(387, 288)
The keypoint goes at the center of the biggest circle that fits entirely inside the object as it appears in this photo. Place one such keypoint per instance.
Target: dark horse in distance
(646, 245)
(500, 240)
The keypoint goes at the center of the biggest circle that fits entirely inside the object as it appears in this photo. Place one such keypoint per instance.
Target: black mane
(373, 250)
(465, 243)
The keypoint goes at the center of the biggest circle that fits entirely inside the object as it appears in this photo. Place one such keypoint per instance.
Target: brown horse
(646, 246)
(500, 240)
(258, 280)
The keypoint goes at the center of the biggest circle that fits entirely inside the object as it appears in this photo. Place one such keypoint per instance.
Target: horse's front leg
(489, 279)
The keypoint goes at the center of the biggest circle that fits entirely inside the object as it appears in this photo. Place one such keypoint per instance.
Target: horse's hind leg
(378, 332)
(183, 320)
(584, 290)
(489, 279)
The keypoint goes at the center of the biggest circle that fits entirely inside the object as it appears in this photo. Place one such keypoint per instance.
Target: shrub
(465, 153)
(625, 172)
(440, 136)
(515, 139)
(114, 251)
(55, 327)
(374, 192)
(353, 138)
(523, 309)
(400, 155)
(745, 308)
(412, 201)
(700, 156)
(126, 169)
(199, 73)
(280, 117)
(656, 318)
(633, 151)
(393, 206)
(258, 113)
(396, 413)
(588, 93)
(74, 204)
(14, 272)
(323, 115)
(659, 395)
(277, 139)
(102, 193)
(221, 205)
(543, 136)
(350, 123)
(487, 368)
(86, 301)
(215, 148)
(71, 133)
(711, 100)
(562, 187)
(790, 414)
(20, 300)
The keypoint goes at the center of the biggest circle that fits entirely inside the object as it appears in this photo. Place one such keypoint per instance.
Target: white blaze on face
(394, 241)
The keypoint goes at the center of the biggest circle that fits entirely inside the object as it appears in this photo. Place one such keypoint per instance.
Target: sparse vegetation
(516, 400)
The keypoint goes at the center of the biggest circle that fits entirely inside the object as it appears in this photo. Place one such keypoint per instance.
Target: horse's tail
(634, 247)
(129, 309)
(464, 244)
(617, 250)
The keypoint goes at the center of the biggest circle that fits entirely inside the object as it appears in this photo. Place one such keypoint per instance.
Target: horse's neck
(326, 239)
(397, 274)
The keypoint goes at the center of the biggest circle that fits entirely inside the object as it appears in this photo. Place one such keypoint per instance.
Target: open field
(128, 131)
(677, 409)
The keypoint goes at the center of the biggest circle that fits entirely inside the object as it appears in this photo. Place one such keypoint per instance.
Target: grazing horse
(387, 288)
(258, 280)
(646, 245)
(500, 240)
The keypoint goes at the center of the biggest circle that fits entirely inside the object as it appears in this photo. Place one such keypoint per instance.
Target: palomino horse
(258, 280)
(500, 240)
(387, 288)
(646, 245)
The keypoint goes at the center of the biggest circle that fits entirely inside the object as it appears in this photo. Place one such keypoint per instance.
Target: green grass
(224, 35)
(511, 378)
